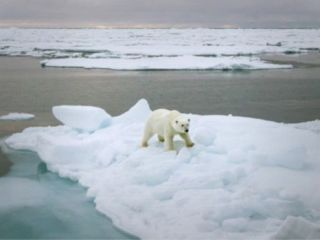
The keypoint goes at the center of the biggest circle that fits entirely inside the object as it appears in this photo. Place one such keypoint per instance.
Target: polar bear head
(181, 124)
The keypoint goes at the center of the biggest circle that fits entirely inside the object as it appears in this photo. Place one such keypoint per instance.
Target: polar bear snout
(182, 125)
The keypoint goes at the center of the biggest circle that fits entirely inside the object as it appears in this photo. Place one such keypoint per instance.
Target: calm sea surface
(278, 95)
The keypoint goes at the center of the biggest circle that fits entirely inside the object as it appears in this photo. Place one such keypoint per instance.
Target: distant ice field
(158, 49)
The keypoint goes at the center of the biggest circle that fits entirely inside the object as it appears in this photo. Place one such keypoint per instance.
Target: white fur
(166, 124)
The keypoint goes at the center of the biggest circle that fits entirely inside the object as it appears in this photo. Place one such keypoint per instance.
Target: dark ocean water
(291, 95)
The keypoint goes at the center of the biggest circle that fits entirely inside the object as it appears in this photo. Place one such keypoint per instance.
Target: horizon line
(109, 28)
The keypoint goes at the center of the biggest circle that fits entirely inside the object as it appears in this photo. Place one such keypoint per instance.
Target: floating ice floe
(17, 116)
(244, 178)
(86, 118)
(167, 63)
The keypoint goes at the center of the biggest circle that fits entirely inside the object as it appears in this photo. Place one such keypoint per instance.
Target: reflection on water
(36, 203)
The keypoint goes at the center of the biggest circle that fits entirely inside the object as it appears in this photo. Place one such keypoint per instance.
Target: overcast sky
(160, 13)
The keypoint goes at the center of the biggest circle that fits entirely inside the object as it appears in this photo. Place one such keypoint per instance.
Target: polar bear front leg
(187, 140)
(168, 142)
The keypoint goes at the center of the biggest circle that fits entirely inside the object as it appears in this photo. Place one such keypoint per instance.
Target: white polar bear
(166, 124)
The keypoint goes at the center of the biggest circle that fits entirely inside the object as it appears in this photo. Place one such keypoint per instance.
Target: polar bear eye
(176, 121)
(182, 125)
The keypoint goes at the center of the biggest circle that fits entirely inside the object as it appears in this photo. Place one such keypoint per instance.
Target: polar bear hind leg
(160, 138)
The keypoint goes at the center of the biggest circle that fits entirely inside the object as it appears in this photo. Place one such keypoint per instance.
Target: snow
(136, 49)
(84, 118)
(17, 116)
(311, 125)
(244, 178)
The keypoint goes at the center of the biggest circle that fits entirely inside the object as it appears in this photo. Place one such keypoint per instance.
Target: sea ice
(244, 178)
(86, 118)
(311, 125)
(139, 49)
(167, 63)
(17, 116)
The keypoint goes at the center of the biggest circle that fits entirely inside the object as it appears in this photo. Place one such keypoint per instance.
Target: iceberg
(84, 118)
(245, 178)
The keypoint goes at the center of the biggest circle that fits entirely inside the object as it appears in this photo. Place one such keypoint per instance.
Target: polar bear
(166, 124)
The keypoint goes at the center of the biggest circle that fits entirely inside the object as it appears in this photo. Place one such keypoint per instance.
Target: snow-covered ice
(85, 118)
(245, 178)
(138, 49)
(167, 63)
(17, 116)
(298, 228)
(311, 125)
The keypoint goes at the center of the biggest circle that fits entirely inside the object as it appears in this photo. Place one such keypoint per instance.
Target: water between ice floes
(36, 203)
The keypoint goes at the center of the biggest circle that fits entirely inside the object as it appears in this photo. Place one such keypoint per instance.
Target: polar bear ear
(188, 119)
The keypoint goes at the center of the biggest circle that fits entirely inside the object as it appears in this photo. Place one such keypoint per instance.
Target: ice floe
(17, 116)
(167, 63)
(244, 178)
